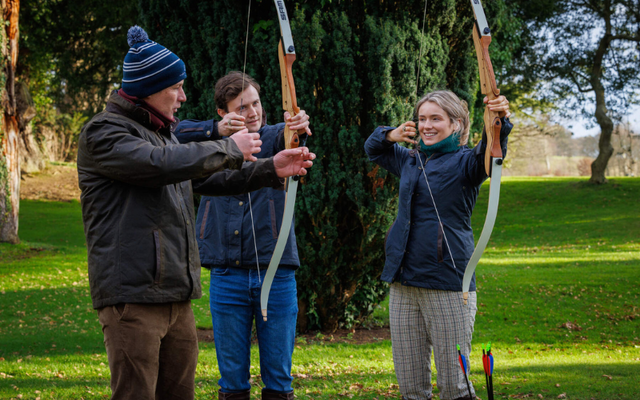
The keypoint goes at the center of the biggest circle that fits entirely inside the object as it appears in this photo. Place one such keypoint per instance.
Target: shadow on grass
(53, 223)
(49, 321)
(61, 388)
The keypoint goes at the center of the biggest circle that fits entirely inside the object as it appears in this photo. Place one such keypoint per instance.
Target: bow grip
(493, 126)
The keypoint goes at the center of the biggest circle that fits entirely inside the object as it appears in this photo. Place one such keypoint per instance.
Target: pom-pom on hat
(148, 66)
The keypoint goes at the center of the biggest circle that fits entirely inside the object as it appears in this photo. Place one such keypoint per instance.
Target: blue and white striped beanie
(148, 66)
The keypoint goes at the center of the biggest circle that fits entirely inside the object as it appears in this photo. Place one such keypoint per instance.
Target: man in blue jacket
(236, 238)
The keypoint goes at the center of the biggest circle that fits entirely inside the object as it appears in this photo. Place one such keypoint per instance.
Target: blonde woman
(426, 258)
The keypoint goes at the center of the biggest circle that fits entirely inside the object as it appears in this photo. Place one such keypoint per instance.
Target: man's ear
(221, 112)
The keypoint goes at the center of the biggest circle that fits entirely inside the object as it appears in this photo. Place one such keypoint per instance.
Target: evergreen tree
(356, 69)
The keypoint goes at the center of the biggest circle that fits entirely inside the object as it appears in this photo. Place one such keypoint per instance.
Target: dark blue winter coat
(223, 225)
(416, 252)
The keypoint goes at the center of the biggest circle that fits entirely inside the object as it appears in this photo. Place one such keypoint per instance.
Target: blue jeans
(235, 304)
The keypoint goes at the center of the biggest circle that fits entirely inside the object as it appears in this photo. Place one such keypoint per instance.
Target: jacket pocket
(204, 219)
(272, 214)
(440, 237)
(156, 241)
(220, 271)
(119, 310)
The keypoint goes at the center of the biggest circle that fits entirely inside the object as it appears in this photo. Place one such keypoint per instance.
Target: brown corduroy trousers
(152, 350)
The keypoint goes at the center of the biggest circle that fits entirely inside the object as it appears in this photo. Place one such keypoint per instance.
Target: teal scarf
(447, 145)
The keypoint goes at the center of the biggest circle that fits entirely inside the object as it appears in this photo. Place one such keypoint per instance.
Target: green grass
(558, 297)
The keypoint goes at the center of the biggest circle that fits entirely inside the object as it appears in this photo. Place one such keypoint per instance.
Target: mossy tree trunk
(9, 160)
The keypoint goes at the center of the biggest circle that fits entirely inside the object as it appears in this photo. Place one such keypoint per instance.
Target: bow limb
(285, 228)
(289, 101)
(488, 86)
(286, 57)
(492, 127)
(489, 222)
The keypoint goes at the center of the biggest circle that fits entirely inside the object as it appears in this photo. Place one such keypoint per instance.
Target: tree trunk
(9, 181)
(599, 165)
(9, 160)
(31, 157)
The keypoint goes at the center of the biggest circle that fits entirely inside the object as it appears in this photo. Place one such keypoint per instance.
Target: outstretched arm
(255, 175)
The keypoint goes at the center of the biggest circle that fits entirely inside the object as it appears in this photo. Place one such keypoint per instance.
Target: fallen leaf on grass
(572, 326)
(609, 377)
(562, 396)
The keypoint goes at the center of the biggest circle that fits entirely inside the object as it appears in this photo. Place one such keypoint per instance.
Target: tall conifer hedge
(355, 70)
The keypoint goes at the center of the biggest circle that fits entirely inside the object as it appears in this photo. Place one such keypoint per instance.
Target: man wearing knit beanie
(148, 66)
(137, 186)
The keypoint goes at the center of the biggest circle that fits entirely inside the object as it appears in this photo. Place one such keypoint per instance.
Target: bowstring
(244, 68)
(422, 165)
(246, 46)
(418, 62)
(444, 234)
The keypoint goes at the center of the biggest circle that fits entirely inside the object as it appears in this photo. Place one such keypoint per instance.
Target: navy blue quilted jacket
(223, 225)
(416, 252)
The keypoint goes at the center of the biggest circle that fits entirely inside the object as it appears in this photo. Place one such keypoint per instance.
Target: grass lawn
(558, 293)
